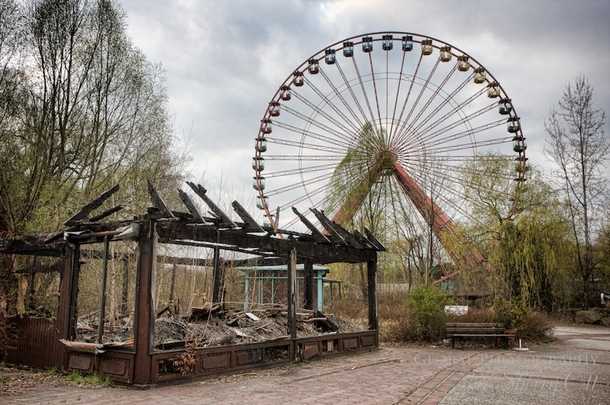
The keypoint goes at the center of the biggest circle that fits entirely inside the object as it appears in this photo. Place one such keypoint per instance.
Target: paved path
(573, 370)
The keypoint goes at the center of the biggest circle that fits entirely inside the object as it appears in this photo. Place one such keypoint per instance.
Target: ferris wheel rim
(377, 36)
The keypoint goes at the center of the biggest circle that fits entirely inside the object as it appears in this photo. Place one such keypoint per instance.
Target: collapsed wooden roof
(214, 229)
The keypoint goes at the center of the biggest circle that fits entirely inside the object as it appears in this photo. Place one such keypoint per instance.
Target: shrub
(533, 326)
(429, 319)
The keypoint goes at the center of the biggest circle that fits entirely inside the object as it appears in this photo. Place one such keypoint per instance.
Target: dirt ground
(574, 369)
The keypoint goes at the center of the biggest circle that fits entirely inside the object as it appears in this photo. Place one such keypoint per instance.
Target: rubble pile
(214, 326)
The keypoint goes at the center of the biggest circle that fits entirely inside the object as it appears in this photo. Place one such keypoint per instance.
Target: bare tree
(579, 146)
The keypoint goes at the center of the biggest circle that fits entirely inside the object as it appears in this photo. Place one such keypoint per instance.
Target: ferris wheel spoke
(430, 100)
(366, 98)
(336, 146)
(464, 169)
(338, 139)
(309, 194)
(359, 123)
(423, 88)
(404, 104)
(402, 65)
(355, 136)
(445, 176)
(351, 91)
(427, 136)
(328, 102)
(305, 158)
(302, 145)
(376, 95)
(438, 195)
(290, 187)
(307, 169)
(458, 108)
(437, 145)
(447, 100)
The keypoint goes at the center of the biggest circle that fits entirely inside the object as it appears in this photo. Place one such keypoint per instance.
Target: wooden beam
(373, 240)
(158, 202)
(190, 206)
(84, 212)
(321, 253)
(328, 226)
(249, 222)
(106, 213)
(315, 232)
(223, 219)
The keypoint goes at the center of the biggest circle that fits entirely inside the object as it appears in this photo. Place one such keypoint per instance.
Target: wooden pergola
(142, 364)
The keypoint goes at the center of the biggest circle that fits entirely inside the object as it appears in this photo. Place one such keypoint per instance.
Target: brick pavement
(391, 375)
(386, 376)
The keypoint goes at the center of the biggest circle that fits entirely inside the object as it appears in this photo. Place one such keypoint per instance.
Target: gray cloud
(225, 59)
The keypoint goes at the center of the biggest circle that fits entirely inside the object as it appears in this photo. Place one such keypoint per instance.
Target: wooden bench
(464, 330)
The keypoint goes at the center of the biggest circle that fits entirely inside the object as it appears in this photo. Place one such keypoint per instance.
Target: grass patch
(88, 379)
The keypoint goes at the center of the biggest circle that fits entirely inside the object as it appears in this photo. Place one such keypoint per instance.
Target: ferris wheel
(397, 121)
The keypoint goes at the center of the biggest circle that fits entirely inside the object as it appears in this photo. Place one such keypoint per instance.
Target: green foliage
(88, 379)
(427, 307)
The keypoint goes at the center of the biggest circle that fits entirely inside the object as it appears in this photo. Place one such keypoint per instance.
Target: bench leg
(453, 342)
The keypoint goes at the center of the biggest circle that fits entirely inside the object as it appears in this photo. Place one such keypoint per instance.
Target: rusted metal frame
(319, 253)
(84, 212)
(308, 284)
(292, 307)
(371, 270)
(102, 307)
(144, 314)
(263, 261)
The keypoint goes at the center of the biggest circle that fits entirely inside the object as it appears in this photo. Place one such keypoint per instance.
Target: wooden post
(68, 293)
(102, 311)
(246, 291)
(217, 277)
(144, 314)
(29, 295)
(125, 288)
(172, 287)
(371, 269)
(308, 285)
(292, 309)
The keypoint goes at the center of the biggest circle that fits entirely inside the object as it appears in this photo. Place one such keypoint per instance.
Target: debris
(252, 316)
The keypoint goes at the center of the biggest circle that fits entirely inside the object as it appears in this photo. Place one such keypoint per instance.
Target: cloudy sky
(225, 59)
